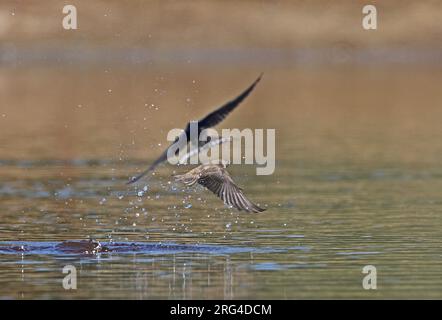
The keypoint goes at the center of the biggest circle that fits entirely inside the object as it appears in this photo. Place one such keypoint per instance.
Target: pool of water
(357, 182)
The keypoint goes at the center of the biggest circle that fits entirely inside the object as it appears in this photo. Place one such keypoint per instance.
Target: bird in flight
(211, 120)
(216, 178)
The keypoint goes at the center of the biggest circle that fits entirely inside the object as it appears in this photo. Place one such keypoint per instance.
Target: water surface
(357, 183)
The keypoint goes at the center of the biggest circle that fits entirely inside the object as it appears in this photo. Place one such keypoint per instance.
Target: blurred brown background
(109, 88)
(222, 24)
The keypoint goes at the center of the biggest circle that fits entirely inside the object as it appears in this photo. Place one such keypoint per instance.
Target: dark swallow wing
(221, 113)
(209, 121)
(161, 159)
(222, 185)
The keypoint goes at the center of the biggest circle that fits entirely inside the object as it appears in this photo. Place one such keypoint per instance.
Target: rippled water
(357, 182)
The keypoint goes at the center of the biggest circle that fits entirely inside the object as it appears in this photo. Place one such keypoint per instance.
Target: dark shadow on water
(85, 247)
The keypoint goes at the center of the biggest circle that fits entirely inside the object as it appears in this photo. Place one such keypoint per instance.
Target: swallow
(216, 179)
(209, 121)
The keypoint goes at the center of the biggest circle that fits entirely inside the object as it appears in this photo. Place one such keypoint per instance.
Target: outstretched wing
(209, 121)
(221, 113)
(221, 184)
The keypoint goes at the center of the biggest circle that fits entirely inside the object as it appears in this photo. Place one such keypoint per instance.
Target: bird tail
(186, 179)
